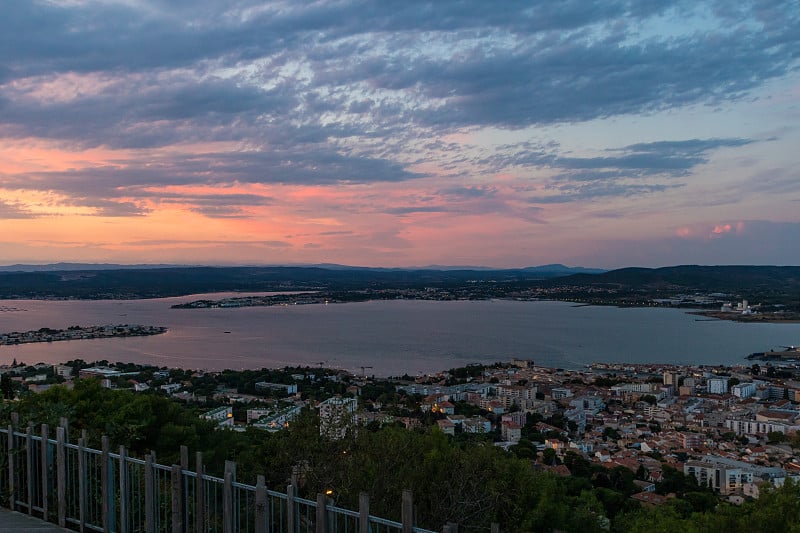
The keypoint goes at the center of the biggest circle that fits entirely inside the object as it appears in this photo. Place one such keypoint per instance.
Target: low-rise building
(559, 393)
(287, 388)
(169, 388)
(275, 421)
(511, 432)
(447, 427)
(223, 416)
(728, 476)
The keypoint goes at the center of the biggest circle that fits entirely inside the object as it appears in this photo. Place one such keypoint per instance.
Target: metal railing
(86, 489)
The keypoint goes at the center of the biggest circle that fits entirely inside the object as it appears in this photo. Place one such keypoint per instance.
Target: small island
(79, 333)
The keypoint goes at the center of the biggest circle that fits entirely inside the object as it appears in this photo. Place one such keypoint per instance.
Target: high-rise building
(336, 416)
(672, 378)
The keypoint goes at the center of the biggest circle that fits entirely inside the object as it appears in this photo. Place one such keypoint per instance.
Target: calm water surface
(393, 337)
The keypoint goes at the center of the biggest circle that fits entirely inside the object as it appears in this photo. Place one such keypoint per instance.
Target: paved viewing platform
(11, 521)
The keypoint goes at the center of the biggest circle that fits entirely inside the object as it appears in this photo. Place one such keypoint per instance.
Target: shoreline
(747, 319)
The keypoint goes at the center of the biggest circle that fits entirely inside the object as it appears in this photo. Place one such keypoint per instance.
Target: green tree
(549, 456)
(6, 386)
(776, 437)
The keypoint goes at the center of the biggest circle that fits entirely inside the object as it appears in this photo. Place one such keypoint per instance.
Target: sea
(387, 338)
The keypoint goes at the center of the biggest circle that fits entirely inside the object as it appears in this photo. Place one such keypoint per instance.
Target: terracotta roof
(650, 498)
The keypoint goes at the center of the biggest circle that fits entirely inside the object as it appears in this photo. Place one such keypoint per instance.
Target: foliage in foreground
(468, 481)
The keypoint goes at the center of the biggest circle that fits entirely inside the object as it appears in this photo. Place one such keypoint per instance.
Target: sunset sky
(600, 133)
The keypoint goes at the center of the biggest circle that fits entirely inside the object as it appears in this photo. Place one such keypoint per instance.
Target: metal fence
(99, 490)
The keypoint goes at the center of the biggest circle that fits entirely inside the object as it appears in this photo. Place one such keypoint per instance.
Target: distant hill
(693, 277)
(65, 267)
(105, 281)
(564, 270)
(768, 283)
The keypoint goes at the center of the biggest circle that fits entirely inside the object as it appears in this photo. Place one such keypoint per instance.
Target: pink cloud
(706, 231)
(720, 229)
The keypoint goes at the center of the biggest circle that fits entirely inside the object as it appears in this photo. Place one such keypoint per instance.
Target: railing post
(407, 511)
(322, 501)
(363, 512)
(261, 505)
(184, 457)
(149, 495)
(290, 495)
(200, 495)
(177, 499)
(11, 492)
(82, 484)
(64, 423)
(29, 465)
(45, 459)
(123, 490)
(105, 485)
(61, 476)
(227, 497)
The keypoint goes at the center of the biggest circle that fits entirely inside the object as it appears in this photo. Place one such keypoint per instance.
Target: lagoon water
(392, 337)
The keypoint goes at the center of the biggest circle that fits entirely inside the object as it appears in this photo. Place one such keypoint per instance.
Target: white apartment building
(744, 390)
(728, 476)
(559, 393)
(223, 416)
(336, 416)
(718, 385)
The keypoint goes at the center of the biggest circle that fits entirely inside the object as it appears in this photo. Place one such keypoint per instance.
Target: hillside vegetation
(468, 481)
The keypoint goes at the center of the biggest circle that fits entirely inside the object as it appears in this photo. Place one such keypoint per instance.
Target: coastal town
(710, 305)
(733, 429)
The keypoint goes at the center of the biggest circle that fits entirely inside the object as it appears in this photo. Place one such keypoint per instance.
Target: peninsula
(774, 291)
(79, 333)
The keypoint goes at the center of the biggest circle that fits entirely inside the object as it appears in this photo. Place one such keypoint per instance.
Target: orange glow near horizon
(416, 222)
